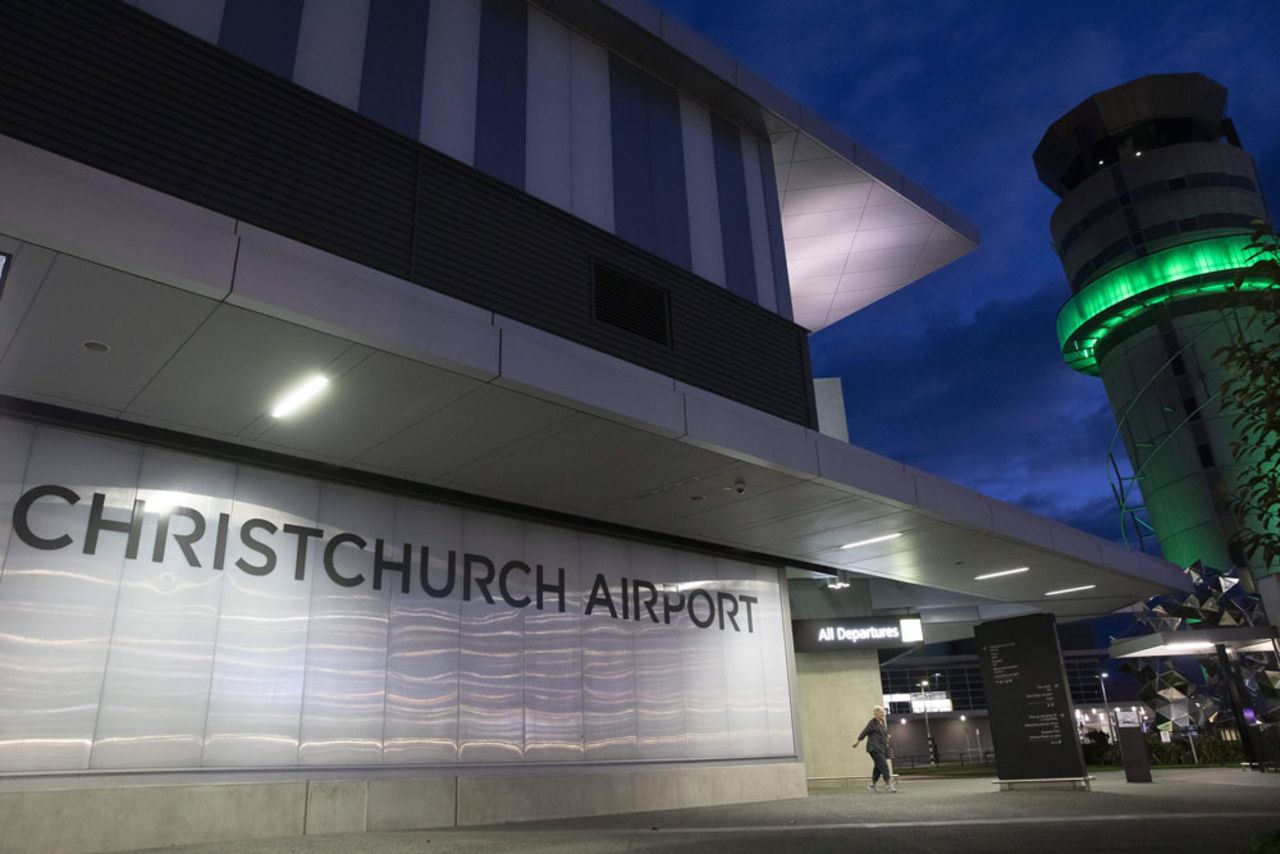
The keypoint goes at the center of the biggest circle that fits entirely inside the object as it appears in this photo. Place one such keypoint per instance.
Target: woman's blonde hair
(877, 710)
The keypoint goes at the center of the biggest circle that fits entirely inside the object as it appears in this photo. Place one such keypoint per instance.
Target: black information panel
(1028, 703)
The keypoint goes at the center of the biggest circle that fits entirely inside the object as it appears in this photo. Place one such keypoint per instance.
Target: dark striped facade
(119, 90)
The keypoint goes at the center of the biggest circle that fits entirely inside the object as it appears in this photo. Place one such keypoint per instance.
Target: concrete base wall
(836, 692)
(42, 816)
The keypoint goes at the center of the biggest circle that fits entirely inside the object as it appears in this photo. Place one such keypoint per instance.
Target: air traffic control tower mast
(1157, 201)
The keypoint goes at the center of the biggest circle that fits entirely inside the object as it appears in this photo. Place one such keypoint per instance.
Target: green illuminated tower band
(1158, 205)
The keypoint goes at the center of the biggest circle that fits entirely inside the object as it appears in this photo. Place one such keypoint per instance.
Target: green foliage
(1252, 392)
(1264, 843)
(1210, 750)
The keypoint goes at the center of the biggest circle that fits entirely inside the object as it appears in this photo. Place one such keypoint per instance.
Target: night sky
(960, 373)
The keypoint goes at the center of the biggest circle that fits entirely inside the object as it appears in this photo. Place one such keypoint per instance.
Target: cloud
(960, 373)
(983, 400)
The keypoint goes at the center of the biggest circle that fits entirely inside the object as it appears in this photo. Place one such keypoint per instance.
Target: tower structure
(1158, 198)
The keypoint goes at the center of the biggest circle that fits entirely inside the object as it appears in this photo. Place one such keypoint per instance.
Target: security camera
(740, 487)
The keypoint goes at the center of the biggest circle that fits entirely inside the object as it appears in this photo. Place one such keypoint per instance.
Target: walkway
(1194, 810)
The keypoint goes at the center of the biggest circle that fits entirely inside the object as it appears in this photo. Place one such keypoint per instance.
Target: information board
(1028, 702)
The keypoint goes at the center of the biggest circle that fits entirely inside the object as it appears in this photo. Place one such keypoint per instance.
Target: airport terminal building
(538, 544)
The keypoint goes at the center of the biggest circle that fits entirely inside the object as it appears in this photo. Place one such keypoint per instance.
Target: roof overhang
(212, 318)
(855, 229)
(1197, 642)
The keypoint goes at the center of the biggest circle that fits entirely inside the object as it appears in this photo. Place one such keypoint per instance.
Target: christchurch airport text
(636, 599)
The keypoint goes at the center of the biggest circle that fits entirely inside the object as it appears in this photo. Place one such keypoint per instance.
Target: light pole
(928, 733)
(1102, 680)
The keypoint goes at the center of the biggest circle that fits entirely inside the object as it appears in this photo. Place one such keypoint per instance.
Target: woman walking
(877, 735)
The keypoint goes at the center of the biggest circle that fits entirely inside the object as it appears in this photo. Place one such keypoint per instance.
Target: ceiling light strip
(872, 540)
(1071, 590)
(1001, 573)
(299, 396)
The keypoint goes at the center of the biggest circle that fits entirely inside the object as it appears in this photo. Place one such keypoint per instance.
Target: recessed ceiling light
(1000, 573)
(872, 540)
(1099, 162)
(96, 346)
(1071, 590)
(299, 396)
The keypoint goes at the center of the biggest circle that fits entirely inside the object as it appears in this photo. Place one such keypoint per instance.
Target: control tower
(1158, 197)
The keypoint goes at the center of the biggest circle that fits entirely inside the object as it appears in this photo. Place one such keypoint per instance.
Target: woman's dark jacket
(877, 736)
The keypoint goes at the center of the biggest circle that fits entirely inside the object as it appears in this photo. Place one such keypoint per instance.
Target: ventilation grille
(627, 303)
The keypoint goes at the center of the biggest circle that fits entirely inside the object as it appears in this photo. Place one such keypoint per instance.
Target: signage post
(1028, 702)
(1133, 748)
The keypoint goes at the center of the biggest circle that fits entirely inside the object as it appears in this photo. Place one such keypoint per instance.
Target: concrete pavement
(1195, 810)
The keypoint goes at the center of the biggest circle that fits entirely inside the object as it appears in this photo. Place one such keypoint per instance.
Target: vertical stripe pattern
(264, 33)
(758, 217)
(593, 193)
(203, 20)
(705, 242)
(452, 64)
(735, 222)
(508, 89)
(501, 90)
(549, 112)
(330, 55)
(395, 43)
(650, 206)
(773, 216)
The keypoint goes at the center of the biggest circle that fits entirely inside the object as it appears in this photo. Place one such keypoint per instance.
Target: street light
(928, 733)
(1102, 680)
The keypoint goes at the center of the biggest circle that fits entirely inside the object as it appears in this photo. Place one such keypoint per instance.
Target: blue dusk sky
(960, 373)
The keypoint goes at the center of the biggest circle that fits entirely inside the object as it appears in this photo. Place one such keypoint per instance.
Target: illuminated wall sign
(477, 576)
(856, 633)
(930, 701)
(166, 610)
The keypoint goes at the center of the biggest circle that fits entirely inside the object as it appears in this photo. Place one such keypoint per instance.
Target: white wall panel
(15, 448)
(157, 684)
(767, 294)
(330, 56)
(255, 706)
(705, 242)
(705, 708)
(608, 656)
(746, 710)
(422, 658)
(450, 74)
(491, 665)
(592, 134)
(549, 112)
(57, 606)
(215, 651)
(346, 670)
(777, 673)
(553, 652)
(658, 668)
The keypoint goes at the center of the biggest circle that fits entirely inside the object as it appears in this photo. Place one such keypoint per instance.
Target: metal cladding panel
(229, 616)
(155, 690)
(114, 88)
(57, 614)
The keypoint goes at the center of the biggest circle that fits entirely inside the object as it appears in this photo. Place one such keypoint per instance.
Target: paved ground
(1208, 811)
